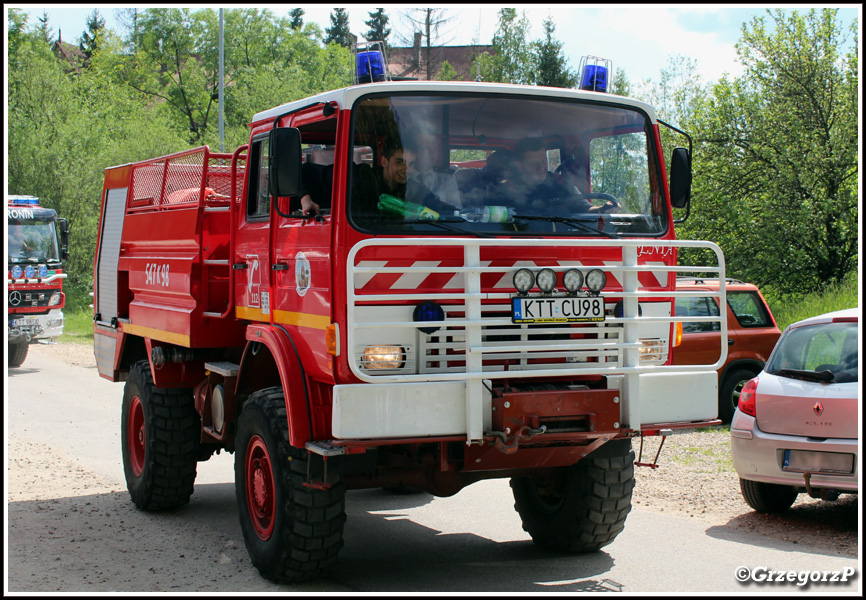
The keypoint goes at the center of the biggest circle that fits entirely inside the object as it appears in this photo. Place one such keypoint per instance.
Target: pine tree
(43, 28)
(552, 68)
(378, 24)
(297, 15)
(339, 29)
(92, 36)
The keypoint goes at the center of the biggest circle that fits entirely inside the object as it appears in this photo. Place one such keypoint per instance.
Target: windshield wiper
(806, 375)
(574, 222)
(443, 224)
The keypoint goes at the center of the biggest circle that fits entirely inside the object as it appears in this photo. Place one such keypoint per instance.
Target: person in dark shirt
(391, 176)
(536, 191)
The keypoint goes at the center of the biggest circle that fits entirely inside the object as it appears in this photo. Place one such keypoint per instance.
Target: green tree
(448, 73)
(513, 60)
(297, 16)
(378, 24)
(339, 30)
(92, 36)
(63, 132)
(776, 163)
(553, 69)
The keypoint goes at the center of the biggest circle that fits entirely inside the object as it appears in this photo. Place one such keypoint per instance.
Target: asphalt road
(85, 535)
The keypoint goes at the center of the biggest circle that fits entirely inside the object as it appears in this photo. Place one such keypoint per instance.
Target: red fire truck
(36, 246)
(311, 303)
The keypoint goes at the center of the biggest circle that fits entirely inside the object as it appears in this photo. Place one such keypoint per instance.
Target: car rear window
(823, 347)
(749, 309)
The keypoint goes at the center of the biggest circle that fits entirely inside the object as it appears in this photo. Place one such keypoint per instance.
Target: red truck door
(252, 256)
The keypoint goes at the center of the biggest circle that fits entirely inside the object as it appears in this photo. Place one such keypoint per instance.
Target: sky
(640, 38)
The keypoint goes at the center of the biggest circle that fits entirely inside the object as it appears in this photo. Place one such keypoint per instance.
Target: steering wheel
(599, 196)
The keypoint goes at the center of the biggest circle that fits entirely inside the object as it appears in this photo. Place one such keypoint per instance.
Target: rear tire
(293, 533)
(17, 353)
(767, 497)
(580, 508)
(729, 393)
(160, 431)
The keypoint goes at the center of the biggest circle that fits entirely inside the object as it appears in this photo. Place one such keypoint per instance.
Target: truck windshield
(33, 240)
(503, 165)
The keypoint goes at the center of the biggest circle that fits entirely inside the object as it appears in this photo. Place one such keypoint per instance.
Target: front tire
(292, 532)
(17, 353)
(767, 497)
(579, 508)
(160, 431)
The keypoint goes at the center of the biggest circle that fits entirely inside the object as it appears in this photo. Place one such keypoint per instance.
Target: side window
(749, 309)
(258, 196)
(698, 307)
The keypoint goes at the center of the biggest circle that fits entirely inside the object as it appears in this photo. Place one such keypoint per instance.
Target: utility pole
(221, 126)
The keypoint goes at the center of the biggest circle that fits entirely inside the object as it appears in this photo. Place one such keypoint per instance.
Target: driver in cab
(537, 191)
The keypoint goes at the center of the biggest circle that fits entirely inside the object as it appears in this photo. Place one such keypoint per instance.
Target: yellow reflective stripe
(177, 339)
(302, 319)
(285, 317)
(250, 314)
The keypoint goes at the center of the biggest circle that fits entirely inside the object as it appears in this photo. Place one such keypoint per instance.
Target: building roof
(411, 62)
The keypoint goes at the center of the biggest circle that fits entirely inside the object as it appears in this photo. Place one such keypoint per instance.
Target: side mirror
(284, 170)
(681, 178)
(64, 238)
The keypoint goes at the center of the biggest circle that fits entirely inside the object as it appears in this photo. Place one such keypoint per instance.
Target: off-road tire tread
(593, 514)
(17, 353)
(312, 535)
(174, 429)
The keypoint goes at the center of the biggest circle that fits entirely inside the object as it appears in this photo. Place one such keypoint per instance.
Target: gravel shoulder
(695, 479)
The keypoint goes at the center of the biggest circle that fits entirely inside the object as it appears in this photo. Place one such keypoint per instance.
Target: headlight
(55, 299)
(546, 280)
(572, 280)
(652, 350)
(596, 280)
(523, 280)
(383, 357)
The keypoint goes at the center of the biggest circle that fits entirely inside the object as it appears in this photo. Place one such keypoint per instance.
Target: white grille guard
(625, 345)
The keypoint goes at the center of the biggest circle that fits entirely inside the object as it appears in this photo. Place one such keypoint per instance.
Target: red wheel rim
(260, 488)
(135, 437)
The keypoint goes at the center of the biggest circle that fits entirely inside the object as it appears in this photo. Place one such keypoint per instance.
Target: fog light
(652, 351)
(523, 280)
(596, 280)
(55, 299)
(383, 357)
(546, 280)
(572, 280)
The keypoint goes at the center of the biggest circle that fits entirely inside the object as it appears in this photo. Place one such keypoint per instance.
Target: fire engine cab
(410, 285)
(36, 246)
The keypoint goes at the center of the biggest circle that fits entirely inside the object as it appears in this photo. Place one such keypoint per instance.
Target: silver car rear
(796, 429)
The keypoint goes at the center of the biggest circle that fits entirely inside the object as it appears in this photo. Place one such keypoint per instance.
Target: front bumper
(758, 456)
(26, 329)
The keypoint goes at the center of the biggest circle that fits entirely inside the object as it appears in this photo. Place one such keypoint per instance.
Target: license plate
(802, 461)
(557, 310)
(28, 322)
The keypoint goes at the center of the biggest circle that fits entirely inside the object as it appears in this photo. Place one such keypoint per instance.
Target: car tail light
(746, 403)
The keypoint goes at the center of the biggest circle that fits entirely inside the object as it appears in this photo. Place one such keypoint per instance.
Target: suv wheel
(729, 393)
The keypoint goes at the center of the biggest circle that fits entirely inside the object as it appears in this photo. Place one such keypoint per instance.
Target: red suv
(752, 334)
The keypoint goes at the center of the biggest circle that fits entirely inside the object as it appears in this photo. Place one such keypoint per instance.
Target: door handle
(730, 342)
